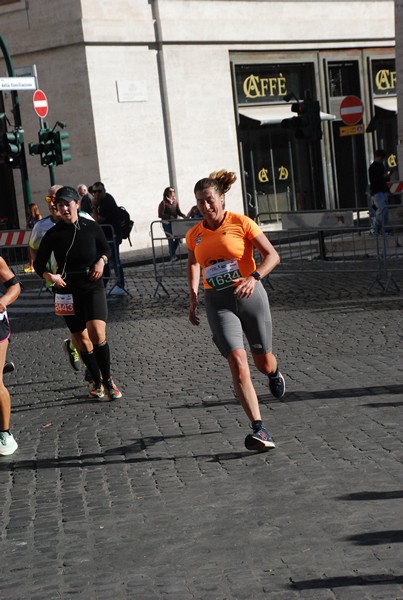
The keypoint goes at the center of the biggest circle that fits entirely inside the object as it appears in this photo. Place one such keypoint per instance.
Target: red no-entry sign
(351, 110)
(40, 104)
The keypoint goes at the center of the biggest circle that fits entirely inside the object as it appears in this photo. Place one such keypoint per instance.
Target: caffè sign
(270, 83)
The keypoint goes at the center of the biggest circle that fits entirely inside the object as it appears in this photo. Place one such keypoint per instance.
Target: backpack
(126, 224)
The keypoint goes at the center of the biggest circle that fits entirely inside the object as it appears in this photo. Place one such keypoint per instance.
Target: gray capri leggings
(228, 317)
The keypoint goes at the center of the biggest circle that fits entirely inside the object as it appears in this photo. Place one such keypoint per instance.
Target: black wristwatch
(256, 275)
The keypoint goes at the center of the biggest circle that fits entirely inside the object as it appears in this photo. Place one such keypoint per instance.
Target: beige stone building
(162, 92)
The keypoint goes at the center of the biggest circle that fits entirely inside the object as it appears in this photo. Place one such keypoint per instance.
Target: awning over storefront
(386, 103)
(274, 114)
(385, 108)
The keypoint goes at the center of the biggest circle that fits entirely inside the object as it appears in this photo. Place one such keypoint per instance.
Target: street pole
(17, 123)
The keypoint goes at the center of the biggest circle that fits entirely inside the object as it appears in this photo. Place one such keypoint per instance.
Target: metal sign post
(351, 111)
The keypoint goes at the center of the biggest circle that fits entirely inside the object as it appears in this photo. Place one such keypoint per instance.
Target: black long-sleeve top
(73, 258)
(377, 178)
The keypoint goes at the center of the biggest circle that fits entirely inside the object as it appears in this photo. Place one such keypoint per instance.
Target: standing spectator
(221, 246)
(378, 178)
(8, 445)
(168, 209)
(41, 227)
(33, 218)
(81, 251)
(34, 215)
(85, 198)
(106, 212)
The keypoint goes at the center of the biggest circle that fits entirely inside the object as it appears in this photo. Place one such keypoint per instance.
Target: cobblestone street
(154, 497)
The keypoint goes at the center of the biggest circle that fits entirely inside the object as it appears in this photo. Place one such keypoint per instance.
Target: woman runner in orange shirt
(236, 301)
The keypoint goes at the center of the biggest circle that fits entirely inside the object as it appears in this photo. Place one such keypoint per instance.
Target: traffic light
(47, 144)
(61, 146)
(52, 147)
(46, 147)
(307, 125)
(12, 143)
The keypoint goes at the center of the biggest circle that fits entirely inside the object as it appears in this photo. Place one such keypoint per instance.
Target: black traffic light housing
(51, 146)
(12, 144)
(61, 145)
(45, 147)
(307, 125)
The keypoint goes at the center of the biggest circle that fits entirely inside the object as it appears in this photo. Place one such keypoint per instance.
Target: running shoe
(96, 391)
(9, 367)
(72, 353)
(8, 445)
(277, 385)
(259, 440)
(111, 390)
(29, 269)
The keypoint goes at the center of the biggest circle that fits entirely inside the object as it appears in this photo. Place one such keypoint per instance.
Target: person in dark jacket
(81, 252)
(106, 212)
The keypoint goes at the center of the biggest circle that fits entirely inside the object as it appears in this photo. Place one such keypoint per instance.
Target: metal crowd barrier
(163, 265)
(309, 241)
(339, 241)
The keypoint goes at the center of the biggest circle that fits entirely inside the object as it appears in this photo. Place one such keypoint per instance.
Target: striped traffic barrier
(15, 238)
(395, 187)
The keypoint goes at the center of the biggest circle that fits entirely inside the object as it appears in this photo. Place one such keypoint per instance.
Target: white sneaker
(8, 445)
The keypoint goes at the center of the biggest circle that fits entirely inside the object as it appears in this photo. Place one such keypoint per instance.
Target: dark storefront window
(383, 124)
(383, 77)
(260, 84)
(281, 172)
(344, 79)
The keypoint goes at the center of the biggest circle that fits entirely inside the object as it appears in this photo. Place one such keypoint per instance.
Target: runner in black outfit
(81, 252)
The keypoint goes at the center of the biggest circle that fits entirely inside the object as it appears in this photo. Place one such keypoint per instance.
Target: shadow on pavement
(302, 396)
(391, 495)
(339, 393)
(82, 461)
(347, 581)
(374, 538)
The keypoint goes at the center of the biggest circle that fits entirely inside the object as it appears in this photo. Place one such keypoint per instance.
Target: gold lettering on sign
(392, 162)
(251, 87)
(257, 87)
(385, 80)
(282, 173)
(263, 175)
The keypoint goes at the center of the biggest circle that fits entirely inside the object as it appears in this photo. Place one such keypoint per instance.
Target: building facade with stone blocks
(162, 92)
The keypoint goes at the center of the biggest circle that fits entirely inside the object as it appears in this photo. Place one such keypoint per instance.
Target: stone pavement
(154, 497)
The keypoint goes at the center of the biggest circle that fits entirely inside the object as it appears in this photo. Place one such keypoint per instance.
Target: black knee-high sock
(90, 361)
(103, 356)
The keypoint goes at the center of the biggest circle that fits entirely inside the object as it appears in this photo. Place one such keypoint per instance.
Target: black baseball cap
(67, 194)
